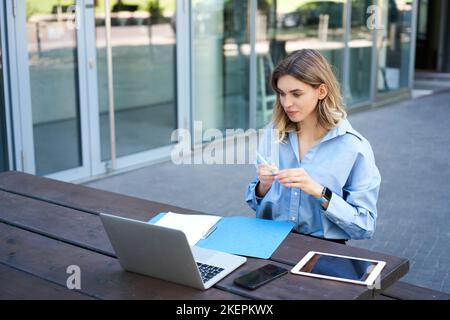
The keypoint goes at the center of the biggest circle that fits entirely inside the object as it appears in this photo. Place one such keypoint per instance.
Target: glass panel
(3, 141)
(52, 51)
(394, 43)
(284, 26)
(220, 63)
(144, 74)
(423, 58)
(360, 50)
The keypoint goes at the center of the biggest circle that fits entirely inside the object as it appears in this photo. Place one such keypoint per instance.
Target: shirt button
(293, 218)
(295, 193)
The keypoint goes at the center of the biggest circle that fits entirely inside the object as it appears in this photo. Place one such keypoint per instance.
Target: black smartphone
(260, 276)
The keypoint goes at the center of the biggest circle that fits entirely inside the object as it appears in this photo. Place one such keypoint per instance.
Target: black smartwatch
(326, 195)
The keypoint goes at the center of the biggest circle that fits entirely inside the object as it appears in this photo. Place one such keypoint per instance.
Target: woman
(322, 175)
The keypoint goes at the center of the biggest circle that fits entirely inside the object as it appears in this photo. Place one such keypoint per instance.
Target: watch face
(328, 194)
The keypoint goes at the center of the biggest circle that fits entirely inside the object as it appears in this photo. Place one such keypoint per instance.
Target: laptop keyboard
(207, 271)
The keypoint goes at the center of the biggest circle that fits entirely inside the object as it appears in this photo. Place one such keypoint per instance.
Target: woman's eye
(296, 95)
(282, 94)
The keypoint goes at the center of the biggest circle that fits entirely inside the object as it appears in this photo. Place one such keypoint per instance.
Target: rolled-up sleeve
(251, 198)
(356, 212)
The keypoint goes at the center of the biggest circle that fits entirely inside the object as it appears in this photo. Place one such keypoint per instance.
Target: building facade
(91, 87)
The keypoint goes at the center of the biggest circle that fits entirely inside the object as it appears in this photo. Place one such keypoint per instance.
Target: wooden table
(48, 225)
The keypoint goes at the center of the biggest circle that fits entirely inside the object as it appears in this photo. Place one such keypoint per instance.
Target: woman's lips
(291, 113)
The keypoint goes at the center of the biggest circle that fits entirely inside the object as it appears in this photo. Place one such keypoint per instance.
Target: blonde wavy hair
(310, 67)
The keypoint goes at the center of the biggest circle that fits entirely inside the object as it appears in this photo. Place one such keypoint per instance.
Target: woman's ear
(323, 91)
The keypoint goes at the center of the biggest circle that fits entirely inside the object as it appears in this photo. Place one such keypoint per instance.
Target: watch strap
(326, 195)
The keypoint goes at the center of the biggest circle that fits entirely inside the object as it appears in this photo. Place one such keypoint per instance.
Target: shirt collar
(342, 128)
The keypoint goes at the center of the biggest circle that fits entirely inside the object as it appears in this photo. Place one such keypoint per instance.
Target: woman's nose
(287, 102)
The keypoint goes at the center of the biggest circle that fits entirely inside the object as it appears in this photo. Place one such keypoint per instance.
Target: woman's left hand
(299, 178)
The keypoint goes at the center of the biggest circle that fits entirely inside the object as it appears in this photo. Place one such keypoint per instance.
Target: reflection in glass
(360, 51)
(394, 43)
(220, 63)
(285, 26)
(144, 74)
(52, 52)
(3, 145)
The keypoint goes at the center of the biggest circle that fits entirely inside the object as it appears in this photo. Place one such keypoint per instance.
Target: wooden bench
(407, 291)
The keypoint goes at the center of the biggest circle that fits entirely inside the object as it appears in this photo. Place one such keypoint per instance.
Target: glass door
(51, 87)
(96, 81)
(393, 45)
(3, 141)
(136, 60)
(361, 54)
(220, 64)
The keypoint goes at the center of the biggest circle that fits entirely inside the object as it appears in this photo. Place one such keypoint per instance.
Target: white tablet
(340, 268)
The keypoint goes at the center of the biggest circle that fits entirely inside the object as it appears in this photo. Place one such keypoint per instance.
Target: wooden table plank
(60, 223)
(82, 197)
(408, 291)
(295, 247)
(18, 285)
(101, 276)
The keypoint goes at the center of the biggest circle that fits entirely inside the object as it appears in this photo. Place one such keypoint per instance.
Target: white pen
(265, 162)
(261, 158)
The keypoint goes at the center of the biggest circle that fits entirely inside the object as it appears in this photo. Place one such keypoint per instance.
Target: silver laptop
(165, 253)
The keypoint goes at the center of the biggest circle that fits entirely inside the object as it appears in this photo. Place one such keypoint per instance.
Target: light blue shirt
(344, 162)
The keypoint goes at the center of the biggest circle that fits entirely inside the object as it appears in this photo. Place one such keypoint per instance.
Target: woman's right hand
(266, 175)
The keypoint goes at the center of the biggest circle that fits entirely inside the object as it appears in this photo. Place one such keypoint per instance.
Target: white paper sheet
(194, 226)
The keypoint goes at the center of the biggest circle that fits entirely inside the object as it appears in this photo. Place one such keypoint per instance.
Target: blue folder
(244, 236)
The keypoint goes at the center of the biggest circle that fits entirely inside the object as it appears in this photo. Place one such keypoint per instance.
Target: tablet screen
(339, 267)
